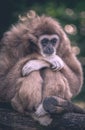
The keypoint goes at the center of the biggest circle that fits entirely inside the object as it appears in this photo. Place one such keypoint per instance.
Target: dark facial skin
(48, 45)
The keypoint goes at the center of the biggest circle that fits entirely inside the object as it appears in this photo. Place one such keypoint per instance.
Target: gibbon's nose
(49, 50)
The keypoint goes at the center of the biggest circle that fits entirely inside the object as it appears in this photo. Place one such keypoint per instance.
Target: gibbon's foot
(54, 104)
(50, 105)
(42, 116)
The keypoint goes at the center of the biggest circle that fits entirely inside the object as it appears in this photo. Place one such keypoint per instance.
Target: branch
(65, 114)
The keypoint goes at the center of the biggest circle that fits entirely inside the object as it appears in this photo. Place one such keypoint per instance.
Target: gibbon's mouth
(48, 55)
(48, 51)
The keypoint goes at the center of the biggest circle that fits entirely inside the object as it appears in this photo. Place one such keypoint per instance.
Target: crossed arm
(53, 62)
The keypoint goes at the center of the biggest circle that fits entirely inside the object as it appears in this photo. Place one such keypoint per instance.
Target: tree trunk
(70, 117)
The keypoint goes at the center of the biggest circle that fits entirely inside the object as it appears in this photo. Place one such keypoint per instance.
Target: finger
(25, 72)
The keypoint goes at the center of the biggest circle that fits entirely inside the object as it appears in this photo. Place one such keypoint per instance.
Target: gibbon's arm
(55, 62)
(33, 65)
(72, 70)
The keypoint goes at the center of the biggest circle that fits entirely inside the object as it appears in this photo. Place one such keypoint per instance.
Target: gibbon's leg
(28, 92)
(55, 84)
(19, 90)
(12, 82)
(8, 81)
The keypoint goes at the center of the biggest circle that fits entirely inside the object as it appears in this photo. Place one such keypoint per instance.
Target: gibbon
(36, 61)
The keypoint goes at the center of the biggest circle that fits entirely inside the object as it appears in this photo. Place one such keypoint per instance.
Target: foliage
(71, 15)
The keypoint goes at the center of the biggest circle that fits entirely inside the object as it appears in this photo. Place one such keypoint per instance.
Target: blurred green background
(70, 13)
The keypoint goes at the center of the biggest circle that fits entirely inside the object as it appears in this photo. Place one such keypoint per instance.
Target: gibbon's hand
(56, 62)
(34, 65)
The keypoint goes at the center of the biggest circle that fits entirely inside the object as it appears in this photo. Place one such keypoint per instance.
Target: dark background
(70, 13)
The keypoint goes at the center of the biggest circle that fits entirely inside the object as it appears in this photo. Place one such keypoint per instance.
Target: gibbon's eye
(44, 41)
(53, 41)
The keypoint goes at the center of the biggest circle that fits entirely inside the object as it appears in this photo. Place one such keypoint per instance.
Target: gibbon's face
(48, 44)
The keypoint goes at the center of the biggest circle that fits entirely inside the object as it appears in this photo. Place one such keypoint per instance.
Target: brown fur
(19, 45)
